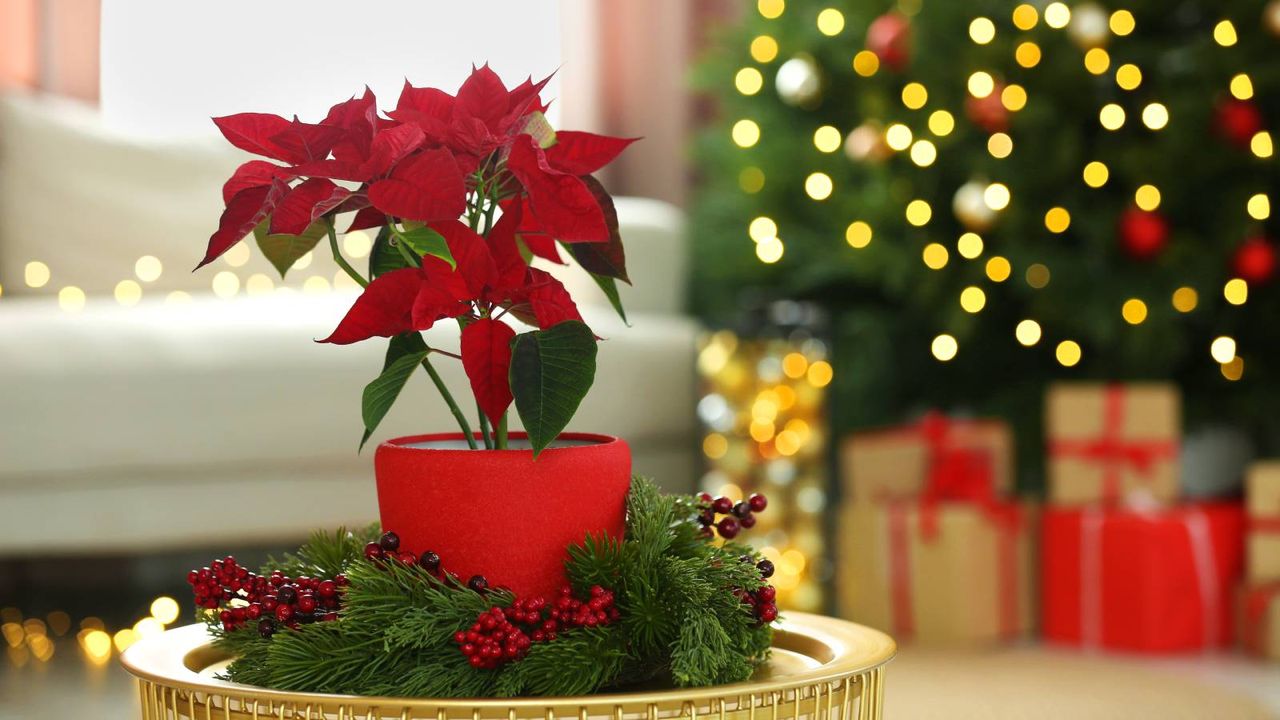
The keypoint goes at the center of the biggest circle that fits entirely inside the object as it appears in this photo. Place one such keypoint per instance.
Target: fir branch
(324, 554)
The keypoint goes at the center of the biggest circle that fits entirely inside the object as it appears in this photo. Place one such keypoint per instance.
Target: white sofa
(218, 420)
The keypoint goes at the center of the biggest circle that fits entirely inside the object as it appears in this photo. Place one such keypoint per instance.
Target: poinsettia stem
(501, 440)
(453, 405)
(337, 255)
(484, 427)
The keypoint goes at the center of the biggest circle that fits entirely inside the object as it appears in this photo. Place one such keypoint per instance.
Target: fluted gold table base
(821, 669)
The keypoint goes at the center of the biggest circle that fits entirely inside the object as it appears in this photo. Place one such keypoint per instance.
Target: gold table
(821, 669)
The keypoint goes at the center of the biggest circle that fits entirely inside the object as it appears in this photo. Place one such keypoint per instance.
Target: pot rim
(591, 440)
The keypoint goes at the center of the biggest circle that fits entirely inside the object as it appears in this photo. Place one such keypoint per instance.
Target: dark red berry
(429, 561)
(767, 593)
(758, 502)
(747, 521)
(307, 604)
(266, 627)
(722, 505)
(327, 588)
(478, 583)
(389, 541)
(193, 577)
(407, 558)
(284, 612)
(767, 613)
(766, 569)
(728, 528)
(287, 594)
(742, 509)
(704, 498)
(372, 551)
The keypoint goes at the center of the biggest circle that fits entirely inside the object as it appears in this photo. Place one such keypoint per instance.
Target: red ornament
(1238, 121)
(988, 112)
(1255, 260)
(1143, 235)
(889, 37)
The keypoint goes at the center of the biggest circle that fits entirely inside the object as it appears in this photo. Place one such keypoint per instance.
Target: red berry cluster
(387, 547)
(273, 600)
(738, 516)
(764, 600)
(503, 635)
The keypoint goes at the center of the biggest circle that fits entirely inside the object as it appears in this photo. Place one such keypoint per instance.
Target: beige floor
(921, 684)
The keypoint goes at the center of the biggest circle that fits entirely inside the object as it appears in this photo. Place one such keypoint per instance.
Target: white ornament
(798, 81)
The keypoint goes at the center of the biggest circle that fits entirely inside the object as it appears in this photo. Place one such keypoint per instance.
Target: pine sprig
(679, 595)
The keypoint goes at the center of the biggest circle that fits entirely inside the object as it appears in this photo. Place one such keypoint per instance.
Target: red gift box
(1129, 579)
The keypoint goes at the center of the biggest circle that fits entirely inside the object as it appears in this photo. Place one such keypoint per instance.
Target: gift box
(1260, 620)
(946, 458)
(947, 573)
(1125, 579)
(1112, 442)
(1262, 502)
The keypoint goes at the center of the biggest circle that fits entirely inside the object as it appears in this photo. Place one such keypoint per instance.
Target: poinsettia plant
(464, 190)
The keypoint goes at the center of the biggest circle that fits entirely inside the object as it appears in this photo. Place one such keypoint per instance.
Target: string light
(225, 284)
(1096, 174)
(819, 375)
(919, 212)
(762, 228)
(858, 234)
(36, 274)
(769, 250)
(944, 347)
(1260, 145)
(1038, 275)
(1122, 22)
(1236, 291)
(177, 297)
(1027, 54)
(1013, 97)
(71, 299)
(914, 95)
(1185, 299)
(973, 299)
(897, 136)
(1241, 87)
(818, 186)
(998, 269)
(148, 268)
(165, 609)
(1155, 116)
(745, 133)
(1259, 207)
(764, 49)
(981, 84)
(258, 284)
(748, 81)
(996, 196)
(771, 9)
(357, 243)
(1000, 145)
(827, 139)
(1111, 116)
(751, 179)
(1224, 33)
(941, 123)
(1233, 370)
(1068, 353)
(1057, 220)
(969, 246)
(866, 63)
(1128, 76)
(935, 256)
(1223, 349)
(830, 22)
(982, 30)
(1147, 197)
(1025, 17)
(1057, 15)
(1096, 61)
(1027, 332)
(128, 293)
(923, 153)
(1134, 311)
(238, 255)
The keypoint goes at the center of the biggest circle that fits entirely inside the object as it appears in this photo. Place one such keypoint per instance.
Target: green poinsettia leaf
(404, 354)
(283, 250)
(551, 372)
(610, 288)
(383, 257)
(423, 241)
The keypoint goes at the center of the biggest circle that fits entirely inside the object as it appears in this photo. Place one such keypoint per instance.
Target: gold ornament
(1271, 17)
(865, 143)
(1089, 26)
(971, 208)
(799, 81)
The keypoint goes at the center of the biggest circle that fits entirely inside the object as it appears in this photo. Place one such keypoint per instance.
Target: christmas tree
(990, 196)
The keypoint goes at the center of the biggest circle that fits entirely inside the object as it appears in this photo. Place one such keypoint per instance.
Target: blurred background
(982, 295)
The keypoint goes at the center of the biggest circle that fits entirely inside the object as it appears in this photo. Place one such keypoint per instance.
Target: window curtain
(50, 46)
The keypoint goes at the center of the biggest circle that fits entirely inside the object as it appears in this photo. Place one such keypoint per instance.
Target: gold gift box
(895, 463)
(1262, 503)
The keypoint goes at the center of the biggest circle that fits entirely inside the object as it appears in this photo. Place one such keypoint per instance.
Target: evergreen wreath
(349, 614)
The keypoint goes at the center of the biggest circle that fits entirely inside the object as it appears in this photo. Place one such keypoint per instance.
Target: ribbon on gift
(954, 472)
(1264, 523)
(1204, 564)
(1112, 450)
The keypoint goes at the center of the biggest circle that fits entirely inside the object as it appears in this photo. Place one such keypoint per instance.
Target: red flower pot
(501, 513)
